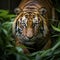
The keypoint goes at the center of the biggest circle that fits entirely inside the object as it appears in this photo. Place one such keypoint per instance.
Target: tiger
(31, 25)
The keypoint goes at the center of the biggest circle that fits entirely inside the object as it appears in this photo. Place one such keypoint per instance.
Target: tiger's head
(30, 25)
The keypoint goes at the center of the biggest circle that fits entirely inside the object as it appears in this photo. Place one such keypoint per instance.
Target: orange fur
(29, 31)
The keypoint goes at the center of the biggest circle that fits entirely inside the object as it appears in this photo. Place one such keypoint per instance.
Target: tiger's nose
(30, 37)
(29, 33)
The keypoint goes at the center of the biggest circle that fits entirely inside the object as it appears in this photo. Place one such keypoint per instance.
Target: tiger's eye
(33, 16)
(26, 16)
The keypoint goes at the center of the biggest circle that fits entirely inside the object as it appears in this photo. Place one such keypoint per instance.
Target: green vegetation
(9, 51)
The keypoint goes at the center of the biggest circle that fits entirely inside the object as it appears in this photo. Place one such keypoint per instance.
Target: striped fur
(33, 22)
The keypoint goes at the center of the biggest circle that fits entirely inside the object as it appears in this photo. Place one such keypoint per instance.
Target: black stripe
(32, 3)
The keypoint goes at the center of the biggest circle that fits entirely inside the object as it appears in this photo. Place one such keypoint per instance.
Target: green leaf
(6, 15)
(38, 52)
(9, 45)
(57, 52)
(46, 53)
(19, 49)
(58, 9)
(5, 32)
(21, 57)
(7, 26)
(54, 47)
(9, 16)
(59, 25)
(3, 12)
(37, 57)
(55, 28)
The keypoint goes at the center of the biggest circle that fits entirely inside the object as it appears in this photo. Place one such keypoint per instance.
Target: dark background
(9, 4)
(12, 4)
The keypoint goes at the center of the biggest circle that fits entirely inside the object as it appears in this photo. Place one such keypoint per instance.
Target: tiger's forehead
(30, 13)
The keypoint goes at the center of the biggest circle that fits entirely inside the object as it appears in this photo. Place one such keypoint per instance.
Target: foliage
(9, 50)
(57, 5)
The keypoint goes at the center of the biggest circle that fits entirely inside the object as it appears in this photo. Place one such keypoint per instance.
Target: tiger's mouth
(29, 41)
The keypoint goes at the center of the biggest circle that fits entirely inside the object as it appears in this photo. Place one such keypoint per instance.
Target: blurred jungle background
(8, 50)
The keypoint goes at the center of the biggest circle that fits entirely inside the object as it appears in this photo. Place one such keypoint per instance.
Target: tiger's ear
(43, 11)
(17, 11)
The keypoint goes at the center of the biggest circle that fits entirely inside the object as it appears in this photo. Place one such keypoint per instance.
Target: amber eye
(26, 16)
(33, 16)
(35, 20)
(23, 21)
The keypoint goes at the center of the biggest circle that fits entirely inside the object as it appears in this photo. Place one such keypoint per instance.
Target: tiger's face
(29, 26)
(29, 23)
